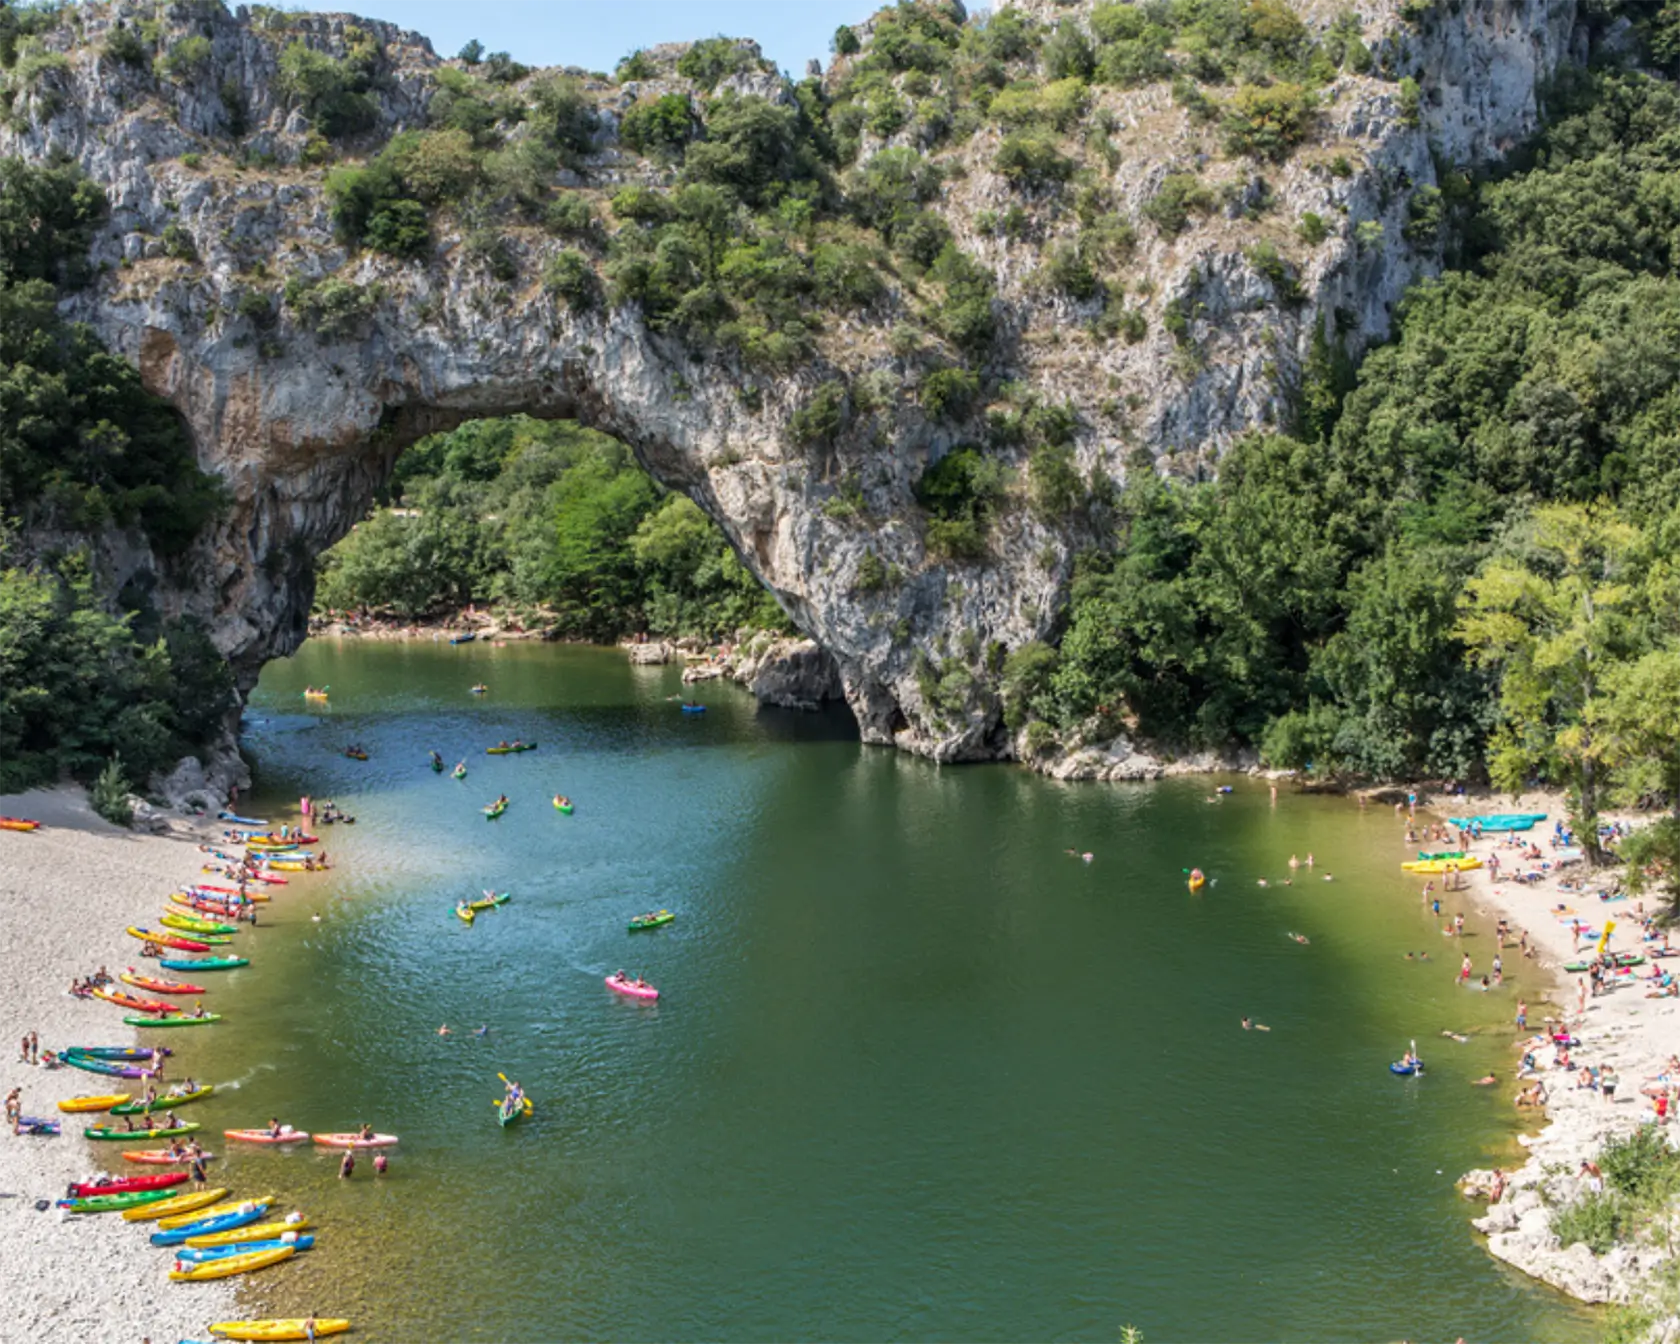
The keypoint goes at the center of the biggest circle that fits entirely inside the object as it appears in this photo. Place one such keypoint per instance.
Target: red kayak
(205, 906)
(162, 1181)
(167, 940)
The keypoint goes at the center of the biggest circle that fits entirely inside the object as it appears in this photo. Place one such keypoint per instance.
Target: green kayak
(651, 921)
(162, 1103)
(494, 810)
(125, 1135)
(204, 963)
(1442, 854)
(177, 1021)
(116, 1203)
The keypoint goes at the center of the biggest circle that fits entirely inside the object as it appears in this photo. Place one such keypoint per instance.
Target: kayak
(357, 755)
(231, 1265)
(176, 1222)
(208, 905)
(437, 767)
(133, 1004)
(630, 989)
(1499, 821)
(508, 1113)
(114, 1203)
(261, 1232)
(160, 1157)
(651, 921)
(18, 824)
(294, 866)
(102, 1132)
(317, 695)
(693, 709)
(198, 1255)
(209, 1227)
(167, 940)
(110, 1068)
(175, 1205)
(355, 1141)
(242, 821)
(460, 772)
(463, 639)
(1197, 881)
(37, 1127)
(287, 1135)
(1622, 961)
(178, 1020)
(160, 986)
(494, 810)
(133, 1053)
(77, 1104)
(514, 750)
(465, 914)
(204, 963)
(163, 1103)
(491, 901)
(562, 804)
(1442, 854)
(1442, 865)
(480, 689)
(278, 1329)
(190, 924)
(162, 1181)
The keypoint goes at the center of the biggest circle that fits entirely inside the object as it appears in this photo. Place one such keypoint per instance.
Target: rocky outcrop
(214, 198)
(789, 673)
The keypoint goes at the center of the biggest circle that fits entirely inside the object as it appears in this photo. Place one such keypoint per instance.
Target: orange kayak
(18, 824)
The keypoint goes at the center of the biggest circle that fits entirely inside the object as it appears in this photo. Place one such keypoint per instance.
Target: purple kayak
(105, 1067)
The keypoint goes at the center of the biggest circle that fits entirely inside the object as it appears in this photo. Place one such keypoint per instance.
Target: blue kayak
(243, 821)
(201, 1253)
(205, 1226)
(1499, 821)
(693, 709)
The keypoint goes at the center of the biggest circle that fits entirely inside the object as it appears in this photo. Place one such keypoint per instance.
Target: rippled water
(915, 1072)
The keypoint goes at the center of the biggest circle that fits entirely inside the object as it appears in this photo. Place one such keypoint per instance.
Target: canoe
(278, 1329)
(459, 772)
(167, 940)
(1499, 821)
(179, 1020)
(114, 1203)
(1405, 1070)
(76, 1105)
(160, 986)
(176, 1222)
(242, 821)
(159, 1157)
(163, 1180)
(437, 767)
(1431, 866)
(163, 1103)
(210, 1227)
(132, 1053)
(1197, 883)
(199, 1254)
(631, 990)
(129, 1135)
(261, 1232)
(190, 924)
(132, 1002)
(494, 810)
(287, 1135)
(465, 914)
(651, 921)
(174, 1206)
(18, 824)
(231, 1265)
(204, 963)
(355, 1141)
(514, 750)
(565, 805)
(491, 901)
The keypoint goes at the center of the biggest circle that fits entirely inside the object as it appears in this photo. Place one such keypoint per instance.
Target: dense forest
(551, 519)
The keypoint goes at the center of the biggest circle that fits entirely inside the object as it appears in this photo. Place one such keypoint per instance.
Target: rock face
(304, 421)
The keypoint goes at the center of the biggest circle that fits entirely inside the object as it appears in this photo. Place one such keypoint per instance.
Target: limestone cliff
(216, 175)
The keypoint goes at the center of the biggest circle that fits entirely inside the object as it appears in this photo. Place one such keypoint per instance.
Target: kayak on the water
(437, 763)
(166, 1102)
(242, 821)
(286, 1135)
(563, 804)
(315, 693)
(636, 988)
(105, 1132)
(177, 1020)
(1197, 880)
(187, 1272)
(294, 1328)
(496, 808)
(652, 920)
(691, 708)
(460, 770)
(480, 689)
(464, 912)
(203, 963)
(510, 748)
(163, 1156)
(209, 1227)
(199, 1254)
(355, 1140)
(292, 1222)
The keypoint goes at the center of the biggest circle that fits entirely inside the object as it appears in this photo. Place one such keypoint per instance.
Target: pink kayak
(355, 1141)
(630, 989)
(287, 1135)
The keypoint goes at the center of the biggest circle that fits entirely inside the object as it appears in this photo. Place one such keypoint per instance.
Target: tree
(1550, 617)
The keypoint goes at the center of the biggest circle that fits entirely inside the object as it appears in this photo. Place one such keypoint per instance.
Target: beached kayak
(204, 963)
(109, 1067)
(18, 824)
(164, 1180)
(651, 921)
(37, 1127)
(129, 1135)
(178, 1020)
(132, 1002)
(1441, 854)
(564, 804)
(512, 750)
(242, 821)
(209, 905)
(173, 1206)
(163, 1103)
(200, 1254)
(278, 1329)
(1432, 866)
(299, 866)
(243, 1216)
(76, 1105)
(114, 1203)
(261, 1232)
(157, 986)
(131, 1053)
(160, 1157)
(630, 989)
(355, 1141)
(191, 924)
(287, 1135)
(231, 1265)
(167, 940)
(1622, 960)
(1499, 821)
(176, 1222)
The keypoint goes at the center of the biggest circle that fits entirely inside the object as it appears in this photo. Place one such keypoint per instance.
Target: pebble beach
(67, 892)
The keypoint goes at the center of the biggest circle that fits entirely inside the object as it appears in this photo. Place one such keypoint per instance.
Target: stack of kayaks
(176, 1206)
(298, 1241)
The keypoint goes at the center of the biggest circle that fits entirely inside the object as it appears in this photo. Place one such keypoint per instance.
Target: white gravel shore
(67, 892)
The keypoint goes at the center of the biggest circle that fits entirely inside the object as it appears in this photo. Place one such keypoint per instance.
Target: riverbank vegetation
(551, 519)
(86, 454)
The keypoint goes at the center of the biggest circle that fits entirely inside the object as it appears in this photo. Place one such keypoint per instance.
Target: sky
(595, 34)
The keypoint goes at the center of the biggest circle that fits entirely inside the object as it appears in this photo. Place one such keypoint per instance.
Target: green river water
(915, 1073)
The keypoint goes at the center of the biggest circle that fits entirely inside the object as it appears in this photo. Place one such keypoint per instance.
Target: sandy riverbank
(67, 892)
(1622, 1028)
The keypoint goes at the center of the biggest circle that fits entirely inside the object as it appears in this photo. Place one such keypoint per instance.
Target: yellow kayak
(1442, 865)
(172, 1220)
(260, 1232)
(75, 1104)
(291, 866)
(278, 1329)
(230, 1265)
(187, 1203)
